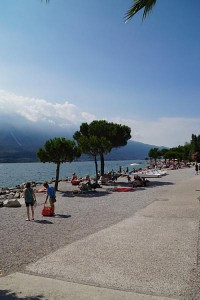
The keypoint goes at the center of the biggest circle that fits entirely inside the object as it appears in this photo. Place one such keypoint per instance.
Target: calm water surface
(12, 174)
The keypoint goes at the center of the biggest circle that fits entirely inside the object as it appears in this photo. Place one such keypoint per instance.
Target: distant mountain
(133, 150)
(20, 140)
(21, 145)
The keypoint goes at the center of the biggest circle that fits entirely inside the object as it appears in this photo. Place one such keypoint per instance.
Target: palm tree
(137, 6)
(147, 5)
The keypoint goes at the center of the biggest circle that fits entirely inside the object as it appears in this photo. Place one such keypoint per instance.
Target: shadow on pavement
(8, 295)
(88, 194)
(62, 216)
(49, 222)
(158, 183)
(42, 222)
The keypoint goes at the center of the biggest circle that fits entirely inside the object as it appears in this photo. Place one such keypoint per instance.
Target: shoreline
(16, 174)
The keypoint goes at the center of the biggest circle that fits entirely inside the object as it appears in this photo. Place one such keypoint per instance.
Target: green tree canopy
(107, 135)
(58, 150)
(154, 153)
(93, 145)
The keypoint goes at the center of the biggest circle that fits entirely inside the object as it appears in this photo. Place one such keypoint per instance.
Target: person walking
(51, 195)
(196, 169)
(29, 197)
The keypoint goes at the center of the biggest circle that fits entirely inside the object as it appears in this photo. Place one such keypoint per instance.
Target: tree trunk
(57, 175)
(96, 168)
(102, 163)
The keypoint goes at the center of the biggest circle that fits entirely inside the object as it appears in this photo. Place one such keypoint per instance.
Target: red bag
(47, 211)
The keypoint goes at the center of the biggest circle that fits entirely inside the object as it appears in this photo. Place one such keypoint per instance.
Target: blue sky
(71, 61)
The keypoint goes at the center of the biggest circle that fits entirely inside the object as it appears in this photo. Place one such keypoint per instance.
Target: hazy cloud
(40, 110)
(169, 132)
(162, 131)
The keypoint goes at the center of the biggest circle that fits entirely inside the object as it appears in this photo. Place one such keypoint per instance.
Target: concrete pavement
(23, 286)
(152, 255)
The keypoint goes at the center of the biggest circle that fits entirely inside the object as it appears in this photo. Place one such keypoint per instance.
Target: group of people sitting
(85, 183)
(138, 181)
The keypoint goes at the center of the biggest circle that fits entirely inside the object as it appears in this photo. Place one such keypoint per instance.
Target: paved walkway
(152, 255)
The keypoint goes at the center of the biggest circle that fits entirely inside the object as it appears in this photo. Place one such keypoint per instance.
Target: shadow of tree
(92, 194)
(8, 295)
(158, 183)
(85, 194)
(121, 184)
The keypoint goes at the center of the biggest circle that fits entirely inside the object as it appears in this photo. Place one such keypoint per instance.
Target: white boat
(151, 175)
(147, 174)
(162, 172)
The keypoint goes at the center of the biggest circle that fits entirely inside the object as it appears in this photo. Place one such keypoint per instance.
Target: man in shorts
(51, 196)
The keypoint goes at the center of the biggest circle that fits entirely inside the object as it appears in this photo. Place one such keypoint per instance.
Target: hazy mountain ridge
(133, 150)
(19, 143)
(22, 149)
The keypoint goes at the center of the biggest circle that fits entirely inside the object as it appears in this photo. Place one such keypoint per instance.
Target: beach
(80, 217)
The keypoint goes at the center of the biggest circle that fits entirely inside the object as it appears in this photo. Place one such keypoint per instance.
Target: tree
(163, 153)
(58, 150)
(154, 153)
(138, 5)
(173, 154)
(195, 147)
(92, 145)
(108, 136)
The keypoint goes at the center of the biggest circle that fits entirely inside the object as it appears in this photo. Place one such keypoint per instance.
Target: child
(51, 195)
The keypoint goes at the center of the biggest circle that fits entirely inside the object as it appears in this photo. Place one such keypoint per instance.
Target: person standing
(196, 169)
(51, 195)
(29, 197)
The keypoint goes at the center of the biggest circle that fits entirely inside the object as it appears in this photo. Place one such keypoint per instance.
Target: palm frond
(137, 6)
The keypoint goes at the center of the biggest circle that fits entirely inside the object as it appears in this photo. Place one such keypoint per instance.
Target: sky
(69, 62)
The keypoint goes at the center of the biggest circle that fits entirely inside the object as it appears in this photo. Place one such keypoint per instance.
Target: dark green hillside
(20, 144)
(133, 150)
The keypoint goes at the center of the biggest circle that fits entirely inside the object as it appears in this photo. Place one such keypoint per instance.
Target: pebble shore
(77, 216)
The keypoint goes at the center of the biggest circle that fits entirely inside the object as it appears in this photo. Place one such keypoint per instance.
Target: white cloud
(89, 117)
(40, 110)
(165, 131)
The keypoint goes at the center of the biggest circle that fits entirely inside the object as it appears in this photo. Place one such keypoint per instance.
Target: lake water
(12, 174)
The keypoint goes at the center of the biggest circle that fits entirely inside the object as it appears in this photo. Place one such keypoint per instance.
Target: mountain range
(20, 142)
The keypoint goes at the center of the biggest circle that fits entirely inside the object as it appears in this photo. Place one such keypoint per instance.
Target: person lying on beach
(51, 195)
(29, 197)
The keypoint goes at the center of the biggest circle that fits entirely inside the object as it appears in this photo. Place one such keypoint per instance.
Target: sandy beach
(79, 217)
